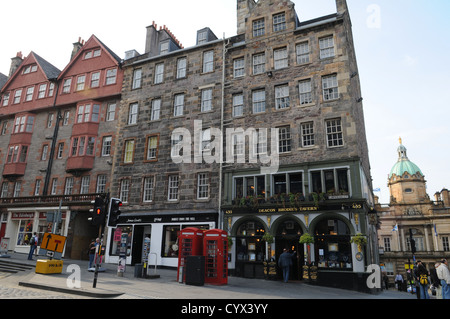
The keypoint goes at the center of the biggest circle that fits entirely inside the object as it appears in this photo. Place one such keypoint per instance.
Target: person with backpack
(33, 245)
(422, 279)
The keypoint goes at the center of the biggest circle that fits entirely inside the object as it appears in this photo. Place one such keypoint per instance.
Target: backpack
(423, 280)
(32, 241)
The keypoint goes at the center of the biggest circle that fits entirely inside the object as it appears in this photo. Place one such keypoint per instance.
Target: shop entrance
(288, 236)
(139, 234)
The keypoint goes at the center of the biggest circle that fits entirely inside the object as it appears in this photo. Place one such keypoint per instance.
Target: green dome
(404, 165)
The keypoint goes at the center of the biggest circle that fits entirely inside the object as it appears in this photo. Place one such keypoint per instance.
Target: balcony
(14, 169)
(65, 200)
(80, 163)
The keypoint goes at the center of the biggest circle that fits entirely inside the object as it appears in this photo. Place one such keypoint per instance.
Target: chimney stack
(15, 63)
(243, 10)
(76, 47)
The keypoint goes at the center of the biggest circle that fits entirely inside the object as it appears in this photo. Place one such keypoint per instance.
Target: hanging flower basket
(306, 239)
(360, 240)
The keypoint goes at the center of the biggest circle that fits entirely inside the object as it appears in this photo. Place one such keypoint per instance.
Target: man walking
(285, 262)
(444, 275)
(33, 245)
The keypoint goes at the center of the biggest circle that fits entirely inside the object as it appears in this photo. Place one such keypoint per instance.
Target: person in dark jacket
(285, 263)
(422, 272)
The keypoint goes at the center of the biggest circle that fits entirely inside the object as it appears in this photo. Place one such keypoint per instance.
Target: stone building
(58, 131)
(259, 133)
(412, 214)
(165, 89)
(293, 87)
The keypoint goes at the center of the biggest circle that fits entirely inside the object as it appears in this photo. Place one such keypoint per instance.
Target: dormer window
(164, 47)
(258, 28)
(202, 37)
(92, 54)
(30, 68)
(279, 22)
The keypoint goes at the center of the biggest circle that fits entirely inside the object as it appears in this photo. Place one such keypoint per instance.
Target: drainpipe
(54, 139)
(224, 53)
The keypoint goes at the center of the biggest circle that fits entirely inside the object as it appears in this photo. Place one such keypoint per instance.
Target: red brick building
(57, 138)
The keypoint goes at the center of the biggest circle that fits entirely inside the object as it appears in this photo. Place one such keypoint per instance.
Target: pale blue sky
(402, 56)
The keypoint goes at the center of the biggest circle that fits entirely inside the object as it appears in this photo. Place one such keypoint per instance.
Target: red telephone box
(190, 241)
(215, 250)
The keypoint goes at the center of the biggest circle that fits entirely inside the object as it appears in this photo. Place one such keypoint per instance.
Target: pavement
(77, 281)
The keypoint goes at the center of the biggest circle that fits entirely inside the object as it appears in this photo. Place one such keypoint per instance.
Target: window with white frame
(29, 94)
(101, 184)
(238, 105)
(206, 100)
(68, 188)
(6, 99)
(85, 181)
(307, 134)
(203, 186)
(238, 67)
(178, 106)
(164, 47)
(59, 152)
(334, 133)
(133, 113)
(387, 243)
(282, 100)
(148, 186)
(5, 186)
(284, 139)
(258, 27)
(156, 109)
(280, 58)
(173, 184)
(152, 148)
(95, 79)
(23, 123)
(44, 152)
(66, 117)
(42, 90)
(326, 46)
(259, 63)
(111, 76)
(279, 22)
(159, 73)
(181, 68)
(37, 187)
(50, 118)
(238, 146)
(302, 50)
(66, 85)
(445, 243)
(330, 87)
(124, 190)
(81, 80)
(17, 96)
(305, 92)
(106, 146)
(176, 144)
(111, 112)
(137, 79)
(17, 188)
(88, 113)
(206, 140)
(208, 61)
(54, 187)
(260, 141)
(259, 101)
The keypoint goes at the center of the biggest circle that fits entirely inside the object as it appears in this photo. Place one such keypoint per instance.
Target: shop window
(25, 232)
(332, 245)
(117, 237)
(170, 241)
(249, 244)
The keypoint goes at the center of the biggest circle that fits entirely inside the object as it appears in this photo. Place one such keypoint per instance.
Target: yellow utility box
(44, 266)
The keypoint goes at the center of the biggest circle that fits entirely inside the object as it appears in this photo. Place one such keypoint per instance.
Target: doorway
(138, 248)
(288, 236)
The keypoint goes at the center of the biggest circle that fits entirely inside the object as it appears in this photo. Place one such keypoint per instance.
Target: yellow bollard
(44, 266)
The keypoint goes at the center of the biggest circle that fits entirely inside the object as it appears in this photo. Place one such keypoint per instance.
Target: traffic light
(114, 212)
(98, 213)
